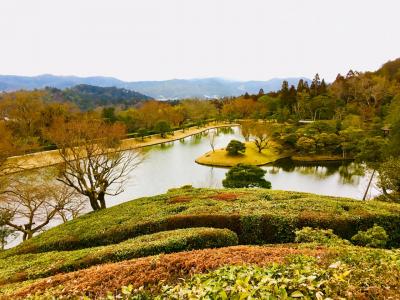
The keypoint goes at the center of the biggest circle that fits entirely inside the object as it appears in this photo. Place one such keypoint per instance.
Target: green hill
(255, 215)
(390, 70)
(144, 249)
(89, 97)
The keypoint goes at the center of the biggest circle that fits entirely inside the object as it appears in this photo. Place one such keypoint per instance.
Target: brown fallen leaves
(96, 281)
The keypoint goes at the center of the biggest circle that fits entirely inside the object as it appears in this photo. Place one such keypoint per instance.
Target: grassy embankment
(38, 265)
(256, 216)
(318, 158)
(221, 158)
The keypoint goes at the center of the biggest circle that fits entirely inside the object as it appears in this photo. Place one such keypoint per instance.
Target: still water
(173, 165)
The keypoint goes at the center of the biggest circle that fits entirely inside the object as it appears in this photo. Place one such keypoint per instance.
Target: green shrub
(375, 237)
(30, 266)
(245, 176)
(320, 236)
(235, 147)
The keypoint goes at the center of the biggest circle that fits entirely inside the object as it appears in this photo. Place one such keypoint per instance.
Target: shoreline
(220, 158)
(49, 158)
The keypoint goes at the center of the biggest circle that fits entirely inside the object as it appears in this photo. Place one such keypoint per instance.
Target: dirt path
(52, 157)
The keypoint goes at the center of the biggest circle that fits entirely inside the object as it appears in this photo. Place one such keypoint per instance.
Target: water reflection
(173, 165)
(349, 171)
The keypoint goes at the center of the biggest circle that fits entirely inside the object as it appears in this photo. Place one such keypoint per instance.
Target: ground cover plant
(255, 215)
(150, 271)
(302, 277)
(31, 266)
(316, 272)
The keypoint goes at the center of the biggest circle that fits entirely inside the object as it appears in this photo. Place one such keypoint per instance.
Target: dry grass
(96, 281)
(251, 157)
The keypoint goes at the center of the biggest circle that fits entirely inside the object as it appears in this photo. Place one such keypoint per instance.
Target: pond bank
(52, 157)
(319, 158)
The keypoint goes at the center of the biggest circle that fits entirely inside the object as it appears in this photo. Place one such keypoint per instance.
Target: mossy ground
(252, 156)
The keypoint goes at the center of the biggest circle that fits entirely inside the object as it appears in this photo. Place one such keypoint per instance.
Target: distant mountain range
(166, 89)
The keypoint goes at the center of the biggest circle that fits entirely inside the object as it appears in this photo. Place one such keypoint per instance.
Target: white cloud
(162, 39)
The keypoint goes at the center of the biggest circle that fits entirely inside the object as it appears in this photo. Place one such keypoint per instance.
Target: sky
(163, 39)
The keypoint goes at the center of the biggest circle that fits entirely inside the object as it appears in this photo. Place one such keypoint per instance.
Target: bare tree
(212, 136)
(92, 161)
(261, 136)
(30, 203)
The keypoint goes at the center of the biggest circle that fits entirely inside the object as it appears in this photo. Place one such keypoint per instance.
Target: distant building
(305, 121)
(386, 130)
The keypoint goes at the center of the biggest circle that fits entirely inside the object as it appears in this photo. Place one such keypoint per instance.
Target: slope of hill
(167, 89)
(390, 70)
(130, 232)
(89, 96)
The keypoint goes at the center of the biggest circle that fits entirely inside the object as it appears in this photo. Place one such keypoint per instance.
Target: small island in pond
(251, 156)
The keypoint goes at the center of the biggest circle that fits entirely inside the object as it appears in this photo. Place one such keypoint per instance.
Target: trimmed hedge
(256, 215)
(31, 266)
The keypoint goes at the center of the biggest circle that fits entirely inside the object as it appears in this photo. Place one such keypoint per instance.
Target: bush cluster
(320, 236)
(30, 266)
(248, 214)
(375, 237)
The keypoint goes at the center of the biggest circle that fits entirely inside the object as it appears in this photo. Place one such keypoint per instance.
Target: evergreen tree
(315, 84)
(300, 86)
(292, 98)
(306, 87)
(246, 176)
(322, 88)
(284, 94)
(261, 92)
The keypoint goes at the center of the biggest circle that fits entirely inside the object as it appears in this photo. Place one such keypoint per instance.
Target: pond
(173, 165)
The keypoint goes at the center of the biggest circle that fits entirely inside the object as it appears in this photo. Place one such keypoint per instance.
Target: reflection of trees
(195, 139)
(166, 146)
(225, 130)
(274, 170)
(320, 172)
(350, 173)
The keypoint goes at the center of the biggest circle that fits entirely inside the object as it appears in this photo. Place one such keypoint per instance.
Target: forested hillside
(88, 97)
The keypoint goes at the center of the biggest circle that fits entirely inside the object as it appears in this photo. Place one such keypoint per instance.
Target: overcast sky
(164, 39)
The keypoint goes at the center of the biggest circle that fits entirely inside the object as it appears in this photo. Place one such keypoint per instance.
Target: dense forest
(354, 104)
(88, 97)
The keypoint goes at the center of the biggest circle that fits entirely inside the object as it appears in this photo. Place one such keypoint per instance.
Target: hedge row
(30, 266)
(256, 216)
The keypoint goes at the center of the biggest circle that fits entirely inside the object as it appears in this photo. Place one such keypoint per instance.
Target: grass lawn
(221, 158)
